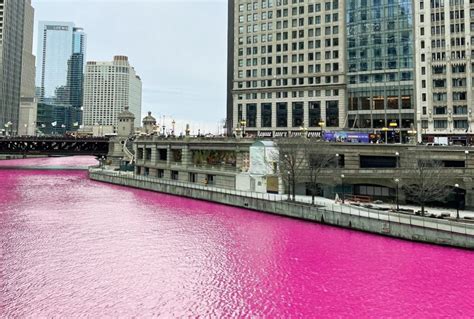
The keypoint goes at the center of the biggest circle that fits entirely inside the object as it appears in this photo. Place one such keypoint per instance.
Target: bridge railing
(325, 206)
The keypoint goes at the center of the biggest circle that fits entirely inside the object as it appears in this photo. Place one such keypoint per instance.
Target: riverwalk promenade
(404, 226)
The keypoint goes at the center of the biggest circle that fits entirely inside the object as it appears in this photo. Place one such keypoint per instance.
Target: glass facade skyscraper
(59, 80)
(380, 58)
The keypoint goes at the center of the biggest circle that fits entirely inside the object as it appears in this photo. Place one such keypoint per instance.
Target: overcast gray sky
(178, 48)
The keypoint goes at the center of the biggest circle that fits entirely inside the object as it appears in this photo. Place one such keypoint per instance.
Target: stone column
(168, 155)
(186, 156)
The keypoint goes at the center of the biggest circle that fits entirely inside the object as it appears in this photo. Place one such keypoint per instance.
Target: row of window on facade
(207, 179)
(295, 70)
(286, 94)
(283, 118)
(379, 121)
(316, 7)
(381, 77)
(292, 81)
(443, 124)
(442, 110)
(283, 36)
(268, 49)
(381, 99)
(295, 59)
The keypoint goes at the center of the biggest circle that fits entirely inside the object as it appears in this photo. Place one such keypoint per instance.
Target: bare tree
(291, 161)
(427, 182)
(319, 157)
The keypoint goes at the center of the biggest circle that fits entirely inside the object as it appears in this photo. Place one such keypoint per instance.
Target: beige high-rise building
(28, 105)
(12, 14)
(110, 87)
(286, 67)
(445, 70)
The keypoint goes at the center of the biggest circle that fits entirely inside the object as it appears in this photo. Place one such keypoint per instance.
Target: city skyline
(183, 80)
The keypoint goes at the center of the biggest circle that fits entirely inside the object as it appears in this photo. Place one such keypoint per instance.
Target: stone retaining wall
(411, 231)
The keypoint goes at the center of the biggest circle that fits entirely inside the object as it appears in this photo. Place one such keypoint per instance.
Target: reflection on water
(71, 247)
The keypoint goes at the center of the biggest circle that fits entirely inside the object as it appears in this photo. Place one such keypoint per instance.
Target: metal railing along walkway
(320, 206)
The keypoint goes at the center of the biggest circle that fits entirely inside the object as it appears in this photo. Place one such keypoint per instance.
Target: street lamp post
(397, 181)
(321, 125)
(386, 135)
(467, 155)
(289, 185)
(394, 125)
(456, 189)
(243, 124)
(398, 159)
(343, 191)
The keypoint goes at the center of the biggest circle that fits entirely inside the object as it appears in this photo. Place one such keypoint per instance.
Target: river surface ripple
(71, 247)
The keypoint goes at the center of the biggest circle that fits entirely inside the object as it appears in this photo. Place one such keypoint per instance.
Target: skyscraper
(12, 14)
(287, 66)
(445, 70)
(59, 78)
(380, 58)
(110, 87)
(28, 106)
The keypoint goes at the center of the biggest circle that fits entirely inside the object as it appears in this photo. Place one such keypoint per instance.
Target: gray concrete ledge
(413, 228)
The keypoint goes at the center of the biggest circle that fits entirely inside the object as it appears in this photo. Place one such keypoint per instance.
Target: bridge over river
(96, 146)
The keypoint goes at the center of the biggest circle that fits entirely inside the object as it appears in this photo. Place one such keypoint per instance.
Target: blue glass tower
(380, 55)
(60, 74)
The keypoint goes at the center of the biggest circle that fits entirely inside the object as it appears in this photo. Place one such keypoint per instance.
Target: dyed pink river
(71, 247)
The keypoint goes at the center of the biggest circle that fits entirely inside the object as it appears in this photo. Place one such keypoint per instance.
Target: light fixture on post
(243, 124)
(321, 125)
(386, 135)
(397, 155)
(394, 125)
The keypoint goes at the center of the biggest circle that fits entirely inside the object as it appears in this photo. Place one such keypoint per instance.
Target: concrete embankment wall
(462, 239)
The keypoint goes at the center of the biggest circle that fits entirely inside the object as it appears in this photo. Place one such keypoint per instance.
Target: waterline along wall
(403, 226)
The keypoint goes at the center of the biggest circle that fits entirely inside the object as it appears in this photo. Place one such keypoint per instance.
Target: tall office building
(110, 87)
(286, 66)
(59, 77)
(444, 38)
(28, 106)
(380, 58)
(12, 14)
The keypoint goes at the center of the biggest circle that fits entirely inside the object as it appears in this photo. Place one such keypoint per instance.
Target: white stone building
(444, 73)
(110, 87)
(286, 66)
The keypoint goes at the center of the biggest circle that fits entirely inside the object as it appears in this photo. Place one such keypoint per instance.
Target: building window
(266, 109)
(282, 115)
(160, 173)
(210, 179)
(314, 114)
(251, 115)
(332, 113)
(440, 124)
(174, 175)
(298, 114)
(461, 124)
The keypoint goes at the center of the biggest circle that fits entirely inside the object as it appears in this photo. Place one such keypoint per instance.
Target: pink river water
(71, 247)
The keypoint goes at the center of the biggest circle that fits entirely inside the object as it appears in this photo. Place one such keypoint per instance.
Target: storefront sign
(314, 134)
(265, 134)
(281, 134)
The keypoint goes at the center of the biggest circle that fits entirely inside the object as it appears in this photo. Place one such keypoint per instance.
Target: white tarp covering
(263, 154)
